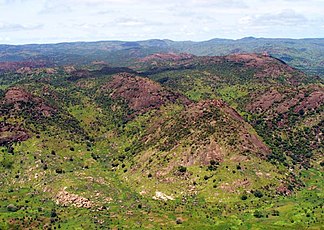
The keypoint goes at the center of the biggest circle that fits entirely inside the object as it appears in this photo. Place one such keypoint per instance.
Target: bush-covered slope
(173, 142)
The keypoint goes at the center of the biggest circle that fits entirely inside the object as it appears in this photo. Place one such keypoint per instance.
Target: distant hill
(304, 54)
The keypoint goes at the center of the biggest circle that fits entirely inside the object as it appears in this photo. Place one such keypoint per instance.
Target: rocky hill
(169, 141)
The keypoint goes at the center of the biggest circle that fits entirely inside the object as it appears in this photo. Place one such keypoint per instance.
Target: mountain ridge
(304, 54)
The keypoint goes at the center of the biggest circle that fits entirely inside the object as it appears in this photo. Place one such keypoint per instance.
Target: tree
(258, 194)
(258, 214)
(244, 197)
(182, 169)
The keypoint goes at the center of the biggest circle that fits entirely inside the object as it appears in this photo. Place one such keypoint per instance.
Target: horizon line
(159, 39)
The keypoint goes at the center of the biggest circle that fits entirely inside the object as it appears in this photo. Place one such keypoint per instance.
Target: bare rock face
(11, 133)
(250, 59)
(265, 101)
(65, 198)
(313, 101)
(18, 96)
(274, 101)
(141, 94)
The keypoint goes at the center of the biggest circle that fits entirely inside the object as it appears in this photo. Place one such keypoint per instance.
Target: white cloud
(6, 27)
(143, 19)
(220, 3)
(286, 17)
(130, 22)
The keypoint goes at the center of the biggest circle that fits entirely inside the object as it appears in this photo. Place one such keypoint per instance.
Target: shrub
(182, 169)
(213, 165)
(213, 162)
(121, 157)
(258, 194)
(12, 208)
(244, 197)
(258, 214)
(115, 163)
(94, 156)
(211, 168)
(59, 171)
(275, 213)
(53, 213)
(7, 163)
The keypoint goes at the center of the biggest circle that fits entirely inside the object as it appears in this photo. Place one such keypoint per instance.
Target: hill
(303, 54)
(168, 141)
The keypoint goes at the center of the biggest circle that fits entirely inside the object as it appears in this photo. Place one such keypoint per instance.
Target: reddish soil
(279, 103)
(17, 95)
(252, 143)
(27, 65)
(283, 190)
(69, 69)
(265, 101)
(141, 94)
(251, 60)
(313, 101)
(11, 133)
(196, 110)
(285, 105)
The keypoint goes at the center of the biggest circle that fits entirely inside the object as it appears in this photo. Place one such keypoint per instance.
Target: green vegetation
(217, 144)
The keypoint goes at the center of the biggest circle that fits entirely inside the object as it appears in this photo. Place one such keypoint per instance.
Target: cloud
(130, 22)
(5, 27)
(7, 2)
(51, 7)
(143, 19)
(102, 2)
(286, 17)
(220, 3)
(119, 23)
(4, 39)
(104, 12)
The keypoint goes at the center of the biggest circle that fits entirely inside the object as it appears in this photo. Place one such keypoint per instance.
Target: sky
(53, 21)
